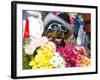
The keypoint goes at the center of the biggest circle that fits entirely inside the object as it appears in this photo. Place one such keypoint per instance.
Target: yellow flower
(38, 58)
(44, 54)
(33, 63)
(87, 62)
(40, 51)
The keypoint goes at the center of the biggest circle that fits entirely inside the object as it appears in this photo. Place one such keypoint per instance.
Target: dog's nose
(59, 34)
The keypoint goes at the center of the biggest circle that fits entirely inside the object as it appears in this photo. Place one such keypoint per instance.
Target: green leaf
(25, 60)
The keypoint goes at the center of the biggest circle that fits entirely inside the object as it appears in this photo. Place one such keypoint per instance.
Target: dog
(61, 34)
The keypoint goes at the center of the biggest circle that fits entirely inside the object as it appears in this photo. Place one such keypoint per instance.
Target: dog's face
(58, 34)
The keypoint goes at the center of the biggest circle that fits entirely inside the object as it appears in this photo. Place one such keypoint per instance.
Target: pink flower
(68, 54)
(74, 56)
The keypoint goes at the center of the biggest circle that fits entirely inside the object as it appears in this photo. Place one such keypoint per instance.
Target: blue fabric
(76, 24)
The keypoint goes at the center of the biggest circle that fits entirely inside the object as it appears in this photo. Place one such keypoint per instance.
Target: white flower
(29, 49)
(57, 61)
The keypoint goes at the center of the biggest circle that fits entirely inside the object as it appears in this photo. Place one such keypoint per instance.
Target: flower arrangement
(54, 44)
(50, 55)
(47, 57)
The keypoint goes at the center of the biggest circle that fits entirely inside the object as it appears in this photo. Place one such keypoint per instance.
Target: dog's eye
(64, 28)
(54, 26)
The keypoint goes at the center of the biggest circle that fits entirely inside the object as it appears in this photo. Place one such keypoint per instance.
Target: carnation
(74, 56)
